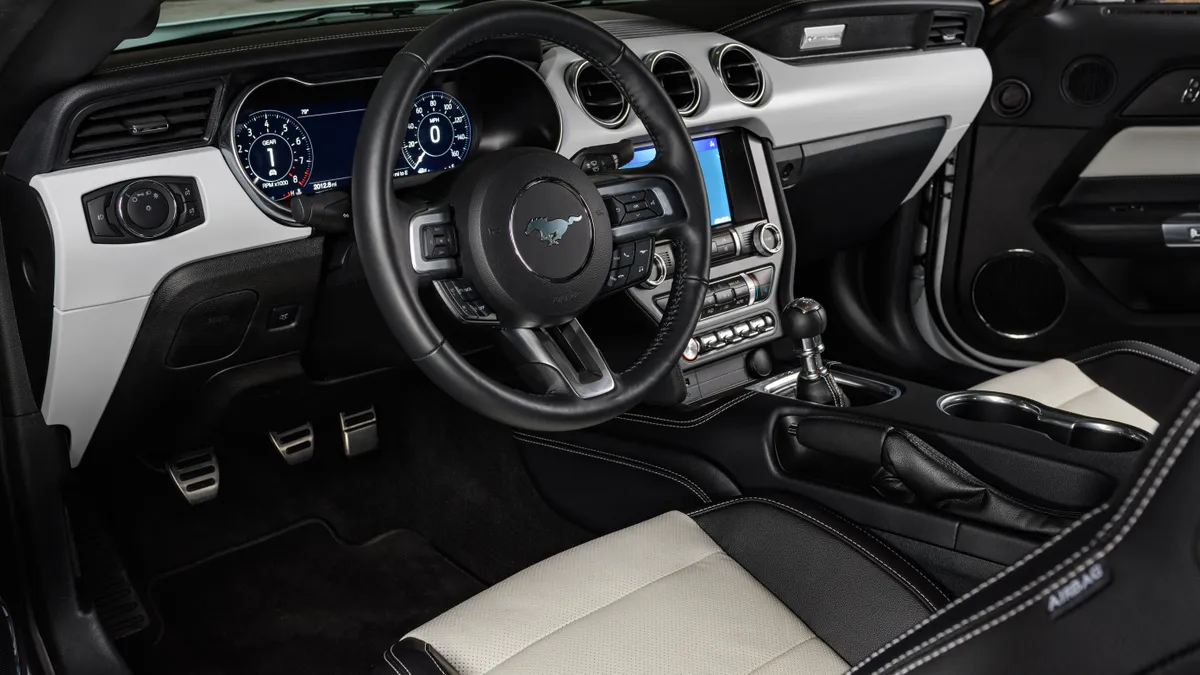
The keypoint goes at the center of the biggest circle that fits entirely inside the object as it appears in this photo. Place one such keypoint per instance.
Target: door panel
(1055, 242)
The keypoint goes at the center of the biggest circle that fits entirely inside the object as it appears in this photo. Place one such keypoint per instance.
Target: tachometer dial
(439, 134)
(275, 151)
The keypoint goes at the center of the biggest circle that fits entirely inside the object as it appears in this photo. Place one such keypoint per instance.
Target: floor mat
(301, 602)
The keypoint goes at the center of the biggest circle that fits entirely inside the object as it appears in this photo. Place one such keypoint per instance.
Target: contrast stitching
(435, 662)
(418, 57)
(1057, 568)
(759, 15)
(1185, 364)
(1097, 557)
(265, 45)
(685, 424)
(664, 473)
(392, 651)
(673, 572)
(837, 534)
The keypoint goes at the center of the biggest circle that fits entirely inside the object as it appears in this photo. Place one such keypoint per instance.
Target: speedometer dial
(439, 134)
(275, 151)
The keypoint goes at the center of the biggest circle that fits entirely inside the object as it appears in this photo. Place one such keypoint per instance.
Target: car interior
(649, 336)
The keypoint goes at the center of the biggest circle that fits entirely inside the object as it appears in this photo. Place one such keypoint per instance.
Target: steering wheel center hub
(551, 230)
(537, 232)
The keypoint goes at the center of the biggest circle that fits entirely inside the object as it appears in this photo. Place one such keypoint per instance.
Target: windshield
(186, 19)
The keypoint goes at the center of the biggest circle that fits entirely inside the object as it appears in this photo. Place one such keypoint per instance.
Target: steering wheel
(535, 238)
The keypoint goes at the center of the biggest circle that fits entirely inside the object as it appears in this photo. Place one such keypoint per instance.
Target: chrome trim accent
(658, 272)
(652, 60)
(1019, 252)
(760, 243)
(822, 37)
(536, 346)
(133, 230)
(439, 215)
(718, 54)
(573, 87)
(1049, 419)
(1182, 231)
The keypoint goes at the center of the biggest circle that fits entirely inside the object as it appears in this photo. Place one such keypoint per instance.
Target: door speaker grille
(1019, 294)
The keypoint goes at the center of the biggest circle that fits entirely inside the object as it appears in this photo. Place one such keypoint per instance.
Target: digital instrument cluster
(306, 149)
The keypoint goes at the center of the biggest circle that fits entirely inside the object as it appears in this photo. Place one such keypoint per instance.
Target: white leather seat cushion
(658, 597)
(1060, 384)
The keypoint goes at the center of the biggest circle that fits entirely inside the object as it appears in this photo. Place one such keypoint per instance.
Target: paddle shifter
(804, 321)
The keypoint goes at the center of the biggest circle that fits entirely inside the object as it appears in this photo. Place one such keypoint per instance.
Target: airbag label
(1088, 583)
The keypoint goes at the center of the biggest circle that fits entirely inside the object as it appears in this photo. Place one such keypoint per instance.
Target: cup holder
(1084, 433)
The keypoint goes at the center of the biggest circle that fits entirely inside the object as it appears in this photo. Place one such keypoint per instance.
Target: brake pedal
(197, 476)
(359, 433)
(295, 445)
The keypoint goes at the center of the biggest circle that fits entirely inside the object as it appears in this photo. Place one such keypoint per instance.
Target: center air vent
(676, 78)
(947, 30)
(597, 95)
(138, 125)
(740, 72)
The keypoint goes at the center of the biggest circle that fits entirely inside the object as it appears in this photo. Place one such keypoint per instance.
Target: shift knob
(803, 319)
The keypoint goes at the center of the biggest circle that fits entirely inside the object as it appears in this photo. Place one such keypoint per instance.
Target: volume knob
(768, 239)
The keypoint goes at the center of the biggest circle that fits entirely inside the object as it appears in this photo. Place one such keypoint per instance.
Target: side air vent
(597, 95)
(947, 30)
(740, 72)
(678, 79)
(167, 120)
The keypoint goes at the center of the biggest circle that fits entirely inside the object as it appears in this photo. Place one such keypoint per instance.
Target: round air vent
(1019, 294)
(1089, 81)
(677, 79)
(740, 72)
(1011, 98)
(597, 95)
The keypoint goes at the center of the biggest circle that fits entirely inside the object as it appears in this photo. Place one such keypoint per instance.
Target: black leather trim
(848, 586)
(1143, 544)
(1134, 190)
(704, 415)
(411, 656)
(1146, 376)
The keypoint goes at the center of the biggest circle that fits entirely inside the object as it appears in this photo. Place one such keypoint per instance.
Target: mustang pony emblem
(551, 231)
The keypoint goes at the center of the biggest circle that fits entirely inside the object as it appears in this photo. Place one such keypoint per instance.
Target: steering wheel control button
(633, 207)
(692, 351)
(629, 265)
(283, 317)
(551, 230)
(438, 242)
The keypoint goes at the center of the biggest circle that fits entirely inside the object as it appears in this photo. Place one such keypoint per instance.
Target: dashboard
(288, 136)
(112, 307)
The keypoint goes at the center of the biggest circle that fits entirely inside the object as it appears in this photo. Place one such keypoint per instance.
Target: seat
(1130, 382)
(758, 586)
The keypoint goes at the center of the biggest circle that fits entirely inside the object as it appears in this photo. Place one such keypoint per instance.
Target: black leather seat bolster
(849, 587)
(1147, 376)
(411, 656)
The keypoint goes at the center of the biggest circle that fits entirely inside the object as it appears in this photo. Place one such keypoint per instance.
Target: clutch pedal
(359, 433)
(295, 445)
(197, 476)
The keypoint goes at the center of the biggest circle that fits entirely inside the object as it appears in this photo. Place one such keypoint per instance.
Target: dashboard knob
(768, 239)
(658, 272)
(692, 350)
(146, 209)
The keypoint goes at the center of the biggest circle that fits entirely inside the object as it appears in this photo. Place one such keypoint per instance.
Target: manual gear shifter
(804, 321)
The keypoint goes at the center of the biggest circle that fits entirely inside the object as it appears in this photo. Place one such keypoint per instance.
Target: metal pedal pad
(359, 433)
(196, 475)
(295, 445)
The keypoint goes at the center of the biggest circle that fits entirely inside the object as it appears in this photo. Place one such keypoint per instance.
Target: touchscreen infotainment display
(709, 155)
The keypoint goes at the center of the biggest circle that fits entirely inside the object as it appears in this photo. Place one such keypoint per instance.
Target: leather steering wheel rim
(381, 220)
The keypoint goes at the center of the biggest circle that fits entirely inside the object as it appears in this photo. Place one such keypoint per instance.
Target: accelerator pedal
(359, 432)
(196, 475)
(295, 445)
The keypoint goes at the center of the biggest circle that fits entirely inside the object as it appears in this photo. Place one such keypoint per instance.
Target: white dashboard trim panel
(101, 291)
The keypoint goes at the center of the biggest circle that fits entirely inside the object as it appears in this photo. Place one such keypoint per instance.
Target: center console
(750, 258)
